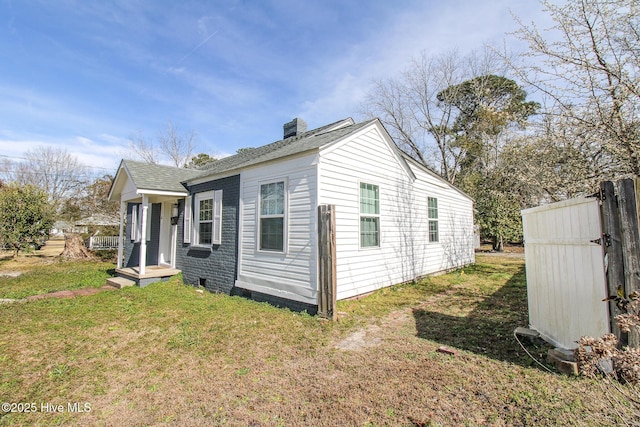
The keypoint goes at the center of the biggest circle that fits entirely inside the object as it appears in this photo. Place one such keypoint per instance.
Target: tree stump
(74, 247)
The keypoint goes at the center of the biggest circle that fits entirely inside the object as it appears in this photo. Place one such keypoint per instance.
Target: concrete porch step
(120, 282)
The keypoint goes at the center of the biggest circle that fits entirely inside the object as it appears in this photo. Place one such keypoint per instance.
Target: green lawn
(168, 354)
(55, 276)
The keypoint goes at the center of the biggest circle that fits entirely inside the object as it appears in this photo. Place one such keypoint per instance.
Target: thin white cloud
(142, 64)
(95, 154)
(195, 48)
(431, 27)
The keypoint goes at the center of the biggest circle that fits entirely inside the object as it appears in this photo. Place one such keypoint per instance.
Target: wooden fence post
(327, 257)
(630, 233)
(612, 244)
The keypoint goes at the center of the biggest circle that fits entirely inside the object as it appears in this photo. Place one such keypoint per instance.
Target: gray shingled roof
(158, 177)
(168, 178)
(313, 139)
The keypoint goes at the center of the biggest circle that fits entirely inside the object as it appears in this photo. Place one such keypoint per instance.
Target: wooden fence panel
(327, 255)
(630, 232)
(613, 248)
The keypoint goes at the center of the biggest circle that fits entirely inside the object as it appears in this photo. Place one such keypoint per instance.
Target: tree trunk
(74, 247)
(498, 244)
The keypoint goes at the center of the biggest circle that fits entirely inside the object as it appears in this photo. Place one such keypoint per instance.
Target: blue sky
(86, 75)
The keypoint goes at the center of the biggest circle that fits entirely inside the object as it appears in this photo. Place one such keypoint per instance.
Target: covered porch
(148, 196)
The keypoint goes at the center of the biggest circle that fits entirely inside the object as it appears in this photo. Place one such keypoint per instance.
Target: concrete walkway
(72, 294)
(62, 294)
(48, 253)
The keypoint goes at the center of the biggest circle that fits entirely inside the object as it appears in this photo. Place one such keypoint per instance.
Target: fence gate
(578, 252)
(565, 271)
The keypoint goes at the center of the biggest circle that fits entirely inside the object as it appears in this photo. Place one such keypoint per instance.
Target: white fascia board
(120, 175)
(142, 191)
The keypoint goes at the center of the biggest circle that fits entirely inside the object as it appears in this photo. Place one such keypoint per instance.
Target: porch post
(143, 235)
(121, 234)
(174, 239)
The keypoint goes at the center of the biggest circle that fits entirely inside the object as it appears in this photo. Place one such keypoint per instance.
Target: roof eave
(121, 166)
(238, 170)
(143, 191)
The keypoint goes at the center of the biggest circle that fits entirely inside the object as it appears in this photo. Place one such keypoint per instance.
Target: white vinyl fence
(103, 242)
(566, 280)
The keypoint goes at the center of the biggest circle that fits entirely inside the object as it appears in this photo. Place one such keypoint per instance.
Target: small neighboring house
(61, 227)
(248, 224)
(98, 220)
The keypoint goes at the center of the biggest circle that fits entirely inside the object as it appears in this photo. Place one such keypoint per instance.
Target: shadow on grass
(488, 329)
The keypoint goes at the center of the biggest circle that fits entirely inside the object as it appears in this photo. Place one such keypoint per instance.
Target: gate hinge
(598, 195)
(606, 238)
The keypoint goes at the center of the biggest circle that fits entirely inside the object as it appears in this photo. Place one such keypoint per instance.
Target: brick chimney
(294, 128)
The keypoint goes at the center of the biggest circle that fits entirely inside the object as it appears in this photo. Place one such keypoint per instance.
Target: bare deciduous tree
(58, 173)
(589, 67)
(178, 147)
(173, 146)
(421, 123)
(142, 148)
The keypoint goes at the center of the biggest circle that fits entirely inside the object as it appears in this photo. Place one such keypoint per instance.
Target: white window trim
(379, 216)
(133, 233)
(436, 220)
(216, 227)
(187, 220)
(285, 216)
(217, 218)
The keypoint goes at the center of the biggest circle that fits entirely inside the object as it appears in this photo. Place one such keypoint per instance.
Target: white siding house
(333, 174)
(395, 219)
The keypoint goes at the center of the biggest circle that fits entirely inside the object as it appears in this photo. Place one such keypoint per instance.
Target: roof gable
(148, 178)
(384, 135)
(158, 177)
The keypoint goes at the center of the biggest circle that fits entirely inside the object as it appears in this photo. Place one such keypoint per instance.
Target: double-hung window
(204, 229)
(369, 215)
(207, 219)
(432, 207)
(272, 216)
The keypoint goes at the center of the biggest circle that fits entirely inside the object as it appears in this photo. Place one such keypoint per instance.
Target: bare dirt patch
(12, 267)
(374, 334)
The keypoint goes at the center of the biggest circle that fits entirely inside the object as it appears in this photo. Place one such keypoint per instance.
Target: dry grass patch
(168, 355)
